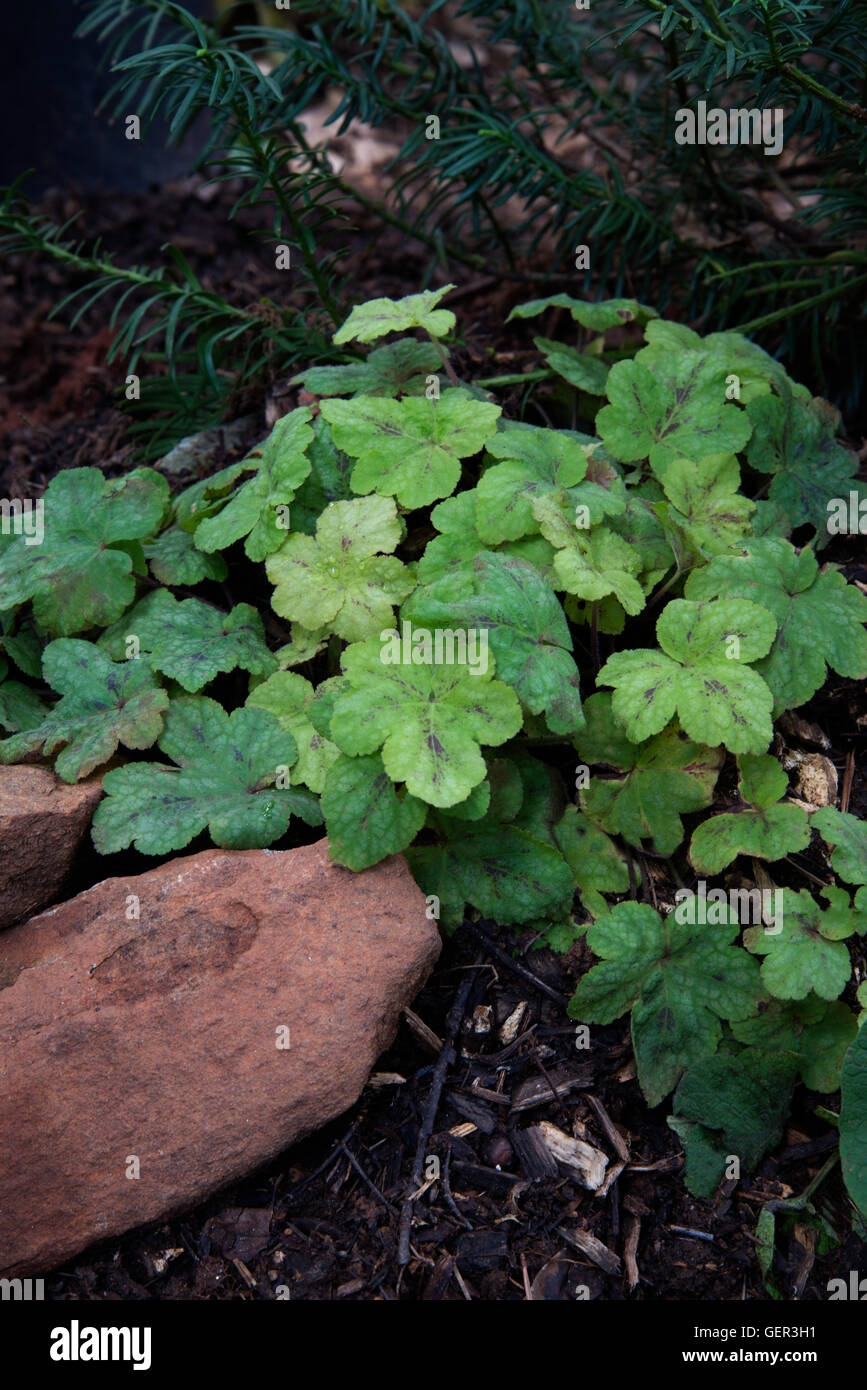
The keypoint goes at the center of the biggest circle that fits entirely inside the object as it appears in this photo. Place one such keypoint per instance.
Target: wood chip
(482, 1249)
(635, 1205)
(595, 1251)
(483, 1015)
(462, 1131)
(630, 1249)
(472, 1110)
(547, 1287)
(795, 727)
(244, 1273)
(345, 1290)
(425, 1035)
(539, 1090)
(495, 1097)
(815, 777)
(662, 1165)
(387, 1078)
(486, 1179)
(534, 1156)
(582, 1162)
(611, 1177)
(510, 1028)
(612, 1134)
(691, 1233)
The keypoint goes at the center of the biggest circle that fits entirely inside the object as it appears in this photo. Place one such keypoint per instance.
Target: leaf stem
(445, 358)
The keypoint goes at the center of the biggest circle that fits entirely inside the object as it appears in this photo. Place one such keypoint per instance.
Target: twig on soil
(513, 965)
(848, 777)
(593, 1249)
(446, 1057)
(449, 1196)
(688, 1231)
(369, 1181)
(613, 1135)
(630, 1250)
(554, 1091)
(795, 863)
(326, 1163)
(647, 878)
(425, 1035)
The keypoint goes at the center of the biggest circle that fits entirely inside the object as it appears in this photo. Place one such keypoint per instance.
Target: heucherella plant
(445, 585)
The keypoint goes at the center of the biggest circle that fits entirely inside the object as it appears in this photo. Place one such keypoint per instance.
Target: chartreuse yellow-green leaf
(226, 768)
(589, 563)
(288, 696)
(103, 703)
(174, 558)
(460, 540)
(397, 369)
(820, 618)
(611, 313)
(756, 371)
(535, 461)
(680, 982)
(705, 502)
(731, 1106)
(527, 630)
(20, 706)
(657, 781)
(596, 863)
(191, 641)
(366, 818)
(763, 828)
(505, 863)
(410, 449)
(260, 508)
(853, 1121)
(701, 675)
(816, 1031)
(805, 949)
(327, 481)
(378, 316)
(582, 369)
(81, 575)
(676, 410)
(340, 580)
(429, 720)
(794, 437)
(849, 836)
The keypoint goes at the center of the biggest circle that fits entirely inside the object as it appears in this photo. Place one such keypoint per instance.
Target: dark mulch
(322, 1222)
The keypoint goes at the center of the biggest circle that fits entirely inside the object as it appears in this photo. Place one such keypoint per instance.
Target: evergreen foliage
(695, 225)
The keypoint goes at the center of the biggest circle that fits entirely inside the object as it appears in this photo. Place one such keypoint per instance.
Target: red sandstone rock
(156, 1039)
(42, 822)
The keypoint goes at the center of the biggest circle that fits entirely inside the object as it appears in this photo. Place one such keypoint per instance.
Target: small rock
(498, 1151)
(42, 823)
(147, 1060)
